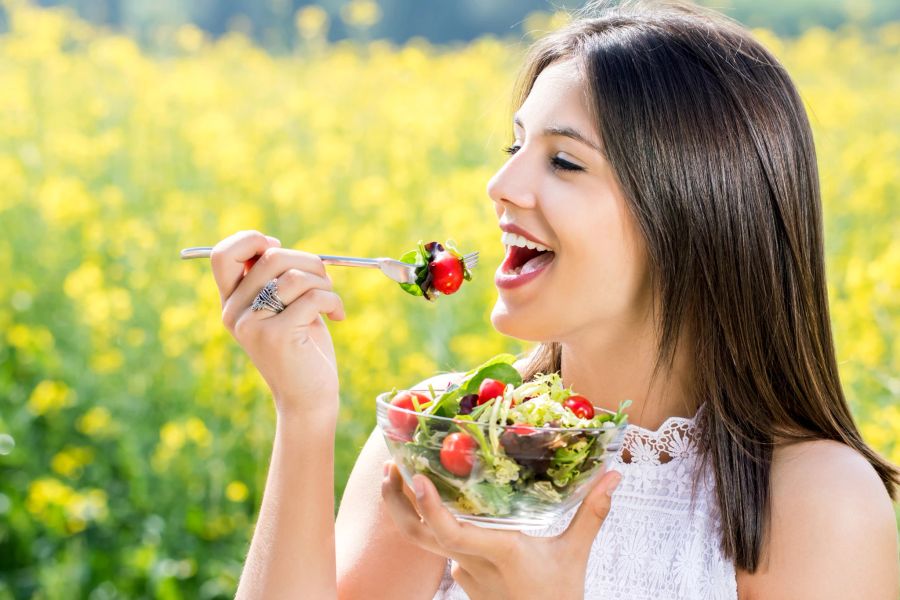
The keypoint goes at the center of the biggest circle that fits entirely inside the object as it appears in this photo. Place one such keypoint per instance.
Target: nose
(515, 182)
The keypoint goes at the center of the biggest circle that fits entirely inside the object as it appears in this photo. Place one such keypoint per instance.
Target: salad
(440, 269)
(503, 445)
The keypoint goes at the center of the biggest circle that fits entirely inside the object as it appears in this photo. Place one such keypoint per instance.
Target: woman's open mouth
(521, 265)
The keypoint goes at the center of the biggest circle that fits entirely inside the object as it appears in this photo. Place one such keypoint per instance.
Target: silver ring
(268, 299)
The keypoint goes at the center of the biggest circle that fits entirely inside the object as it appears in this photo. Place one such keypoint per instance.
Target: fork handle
(196, 252)
(347, 261)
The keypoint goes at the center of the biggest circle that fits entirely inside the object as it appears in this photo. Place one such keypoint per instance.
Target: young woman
(666, 159)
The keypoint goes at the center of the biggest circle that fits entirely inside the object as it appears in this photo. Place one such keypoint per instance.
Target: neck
(608, 371)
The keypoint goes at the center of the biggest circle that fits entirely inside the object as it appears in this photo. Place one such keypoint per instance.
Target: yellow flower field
(134, 433)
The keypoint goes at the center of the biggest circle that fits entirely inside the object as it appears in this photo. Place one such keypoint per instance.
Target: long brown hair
(712, 147)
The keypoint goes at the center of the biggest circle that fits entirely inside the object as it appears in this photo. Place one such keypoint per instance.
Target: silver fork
(400, 272)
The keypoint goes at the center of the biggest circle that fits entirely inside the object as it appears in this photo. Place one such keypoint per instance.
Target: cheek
(609, 264)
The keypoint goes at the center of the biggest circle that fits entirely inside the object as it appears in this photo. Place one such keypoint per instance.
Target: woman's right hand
(292, 349)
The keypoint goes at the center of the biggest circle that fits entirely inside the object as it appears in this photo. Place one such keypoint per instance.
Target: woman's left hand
(499, 564)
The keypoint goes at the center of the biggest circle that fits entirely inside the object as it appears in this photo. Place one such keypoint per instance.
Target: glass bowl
(528, 477)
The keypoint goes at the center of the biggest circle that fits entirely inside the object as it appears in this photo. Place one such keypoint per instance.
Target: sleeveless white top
(657, 543)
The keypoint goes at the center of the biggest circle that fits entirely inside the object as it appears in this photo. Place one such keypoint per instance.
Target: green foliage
(134, 432)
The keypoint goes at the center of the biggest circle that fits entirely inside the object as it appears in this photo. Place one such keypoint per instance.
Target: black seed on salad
(467, 403)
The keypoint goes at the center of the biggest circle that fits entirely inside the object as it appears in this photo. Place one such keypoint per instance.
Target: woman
(666, 159)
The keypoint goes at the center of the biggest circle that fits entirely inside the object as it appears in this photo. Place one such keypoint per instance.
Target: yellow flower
(361, 13)
(172, 436)
(30, 338)
(107, 361)
(50, 396)
(95, 422)
(63, 508)
(189, 38)
(236, 491)
(311, 21)
(46, 492)
(65, 200)
(176, 323)
(197, 432)
(70, 461)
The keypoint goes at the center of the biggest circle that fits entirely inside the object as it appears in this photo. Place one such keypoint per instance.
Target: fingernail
(274, 240)
(419, 487)
(612, 486)
(387, 467)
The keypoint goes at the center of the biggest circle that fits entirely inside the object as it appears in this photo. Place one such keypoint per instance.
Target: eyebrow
(565, 132)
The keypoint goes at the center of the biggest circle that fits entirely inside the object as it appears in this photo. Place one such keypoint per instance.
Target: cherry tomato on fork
(446, 272)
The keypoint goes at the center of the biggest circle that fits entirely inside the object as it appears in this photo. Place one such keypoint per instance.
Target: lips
(514, 277)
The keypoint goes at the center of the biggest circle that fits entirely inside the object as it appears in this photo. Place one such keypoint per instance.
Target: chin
(518, 326)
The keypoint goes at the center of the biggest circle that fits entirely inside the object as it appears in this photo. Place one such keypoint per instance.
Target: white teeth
(512, 239)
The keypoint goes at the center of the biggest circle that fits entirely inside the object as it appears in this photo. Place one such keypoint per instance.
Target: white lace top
(656, 543)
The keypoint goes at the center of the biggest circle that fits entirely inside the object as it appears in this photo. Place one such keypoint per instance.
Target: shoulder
(827, 475)
(833, 531)
(819, 462)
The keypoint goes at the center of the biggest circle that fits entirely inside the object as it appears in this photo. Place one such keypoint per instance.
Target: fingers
(401, 508)
(583, 528)
(294, 283)
(463, 577)
(296, 319)
(274, 263)
(461, 538)
(228, 256)
(305, 309)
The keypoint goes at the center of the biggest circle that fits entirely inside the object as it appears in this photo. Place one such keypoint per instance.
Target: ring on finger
(268, 299)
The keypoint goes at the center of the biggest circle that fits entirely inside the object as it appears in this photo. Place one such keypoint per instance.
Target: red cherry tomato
(446, 272)
(580, 405)
(458, 453)
(405, 423)
(490, 388)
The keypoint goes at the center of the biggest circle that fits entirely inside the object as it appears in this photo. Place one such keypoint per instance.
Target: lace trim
(676, 438)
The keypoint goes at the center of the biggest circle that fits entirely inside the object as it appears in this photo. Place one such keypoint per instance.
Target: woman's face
(598, 277)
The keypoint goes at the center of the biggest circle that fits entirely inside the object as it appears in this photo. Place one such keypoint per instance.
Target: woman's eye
(556, 163)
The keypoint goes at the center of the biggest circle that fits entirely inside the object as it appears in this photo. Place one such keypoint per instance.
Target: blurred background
(134, 433)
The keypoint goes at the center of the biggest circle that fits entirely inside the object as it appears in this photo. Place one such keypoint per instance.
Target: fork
(400, 272)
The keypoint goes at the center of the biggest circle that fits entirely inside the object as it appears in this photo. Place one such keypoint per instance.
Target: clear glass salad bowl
(501, 476)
